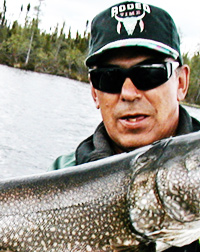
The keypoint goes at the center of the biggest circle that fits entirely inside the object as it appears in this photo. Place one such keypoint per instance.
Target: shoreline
(190, 105)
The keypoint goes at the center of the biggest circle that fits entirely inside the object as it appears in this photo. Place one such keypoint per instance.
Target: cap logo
(129, 14)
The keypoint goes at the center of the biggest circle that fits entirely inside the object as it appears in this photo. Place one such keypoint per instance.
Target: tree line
(193, 96)
(27, 47)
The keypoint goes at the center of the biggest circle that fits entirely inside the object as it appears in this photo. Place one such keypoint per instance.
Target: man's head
(138, 78)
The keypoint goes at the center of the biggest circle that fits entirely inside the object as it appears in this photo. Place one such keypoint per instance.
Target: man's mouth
(135, 118)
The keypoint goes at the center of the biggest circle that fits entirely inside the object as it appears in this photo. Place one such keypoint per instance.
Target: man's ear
(95, 96)
(183, 78)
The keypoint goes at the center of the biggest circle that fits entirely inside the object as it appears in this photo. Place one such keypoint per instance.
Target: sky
(75, 13)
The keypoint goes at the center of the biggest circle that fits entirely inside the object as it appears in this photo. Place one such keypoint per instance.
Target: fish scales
(128, 202)
(72, 210)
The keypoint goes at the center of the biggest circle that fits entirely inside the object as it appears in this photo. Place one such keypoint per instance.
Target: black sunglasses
(144, 77)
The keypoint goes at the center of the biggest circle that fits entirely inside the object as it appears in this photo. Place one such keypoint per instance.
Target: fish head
(164, 193)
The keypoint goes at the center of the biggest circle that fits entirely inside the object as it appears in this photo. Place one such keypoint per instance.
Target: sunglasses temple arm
(171, 67)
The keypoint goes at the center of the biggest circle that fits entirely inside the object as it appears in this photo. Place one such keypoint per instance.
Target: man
(137, 80)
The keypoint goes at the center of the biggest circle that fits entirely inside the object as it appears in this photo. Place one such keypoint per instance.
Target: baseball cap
(133, 24)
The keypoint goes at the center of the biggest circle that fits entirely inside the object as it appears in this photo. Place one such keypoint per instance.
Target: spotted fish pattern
(145, 200)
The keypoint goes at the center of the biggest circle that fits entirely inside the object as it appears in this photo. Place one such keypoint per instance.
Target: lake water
(42, 117)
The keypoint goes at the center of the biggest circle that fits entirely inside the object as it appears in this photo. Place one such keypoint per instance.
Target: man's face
(135, 118)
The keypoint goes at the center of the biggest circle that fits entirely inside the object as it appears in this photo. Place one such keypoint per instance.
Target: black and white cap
(133, 24)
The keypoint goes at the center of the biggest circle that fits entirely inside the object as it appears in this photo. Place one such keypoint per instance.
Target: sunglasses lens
(107, 80)
(144, 77)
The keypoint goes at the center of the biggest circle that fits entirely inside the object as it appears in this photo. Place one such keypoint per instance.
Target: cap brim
(150, 44)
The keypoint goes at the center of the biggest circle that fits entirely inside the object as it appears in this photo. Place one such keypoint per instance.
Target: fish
(144, 200)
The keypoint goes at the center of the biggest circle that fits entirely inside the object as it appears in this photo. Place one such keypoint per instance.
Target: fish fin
(141, 247)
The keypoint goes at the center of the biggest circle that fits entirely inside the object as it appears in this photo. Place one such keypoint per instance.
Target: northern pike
(144, 200)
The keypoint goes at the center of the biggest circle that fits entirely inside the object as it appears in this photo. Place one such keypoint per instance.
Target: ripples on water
(42, 117)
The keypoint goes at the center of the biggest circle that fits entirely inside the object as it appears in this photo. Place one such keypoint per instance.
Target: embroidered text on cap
(129, 15)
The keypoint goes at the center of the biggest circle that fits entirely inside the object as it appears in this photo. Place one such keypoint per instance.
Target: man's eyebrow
(147, 61)
(152, 61)
(107, 65)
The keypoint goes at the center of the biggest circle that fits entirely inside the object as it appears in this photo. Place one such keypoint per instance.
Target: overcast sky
(75, 13)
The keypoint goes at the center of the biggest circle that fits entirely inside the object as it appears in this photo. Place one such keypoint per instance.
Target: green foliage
(29, 48)
(194, 89)
(26, 47)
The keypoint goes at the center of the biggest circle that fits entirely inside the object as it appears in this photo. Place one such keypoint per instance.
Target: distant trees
(25, 46)
(193, 95)
(3, 14)
(28, 48)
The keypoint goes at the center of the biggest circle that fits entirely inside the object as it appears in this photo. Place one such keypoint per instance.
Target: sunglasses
(144, 77)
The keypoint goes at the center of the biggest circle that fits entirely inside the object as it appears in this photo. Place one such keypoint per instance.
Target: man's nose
(129, 92)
